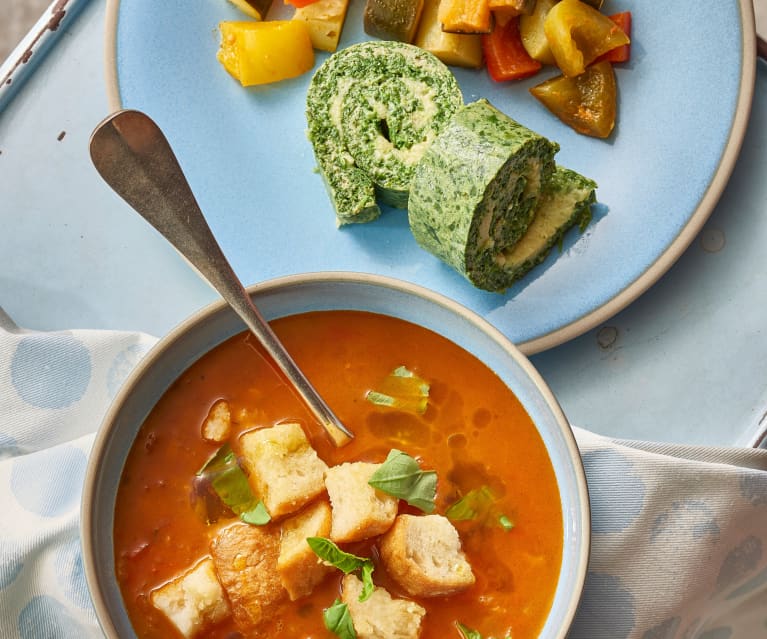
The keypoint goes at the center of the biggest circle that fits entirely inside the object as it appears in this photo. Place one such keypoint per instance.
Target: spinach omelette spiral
(373, 109)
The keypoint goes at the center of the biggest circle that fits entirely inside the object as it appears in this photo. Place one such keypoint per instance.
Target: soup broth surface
(474, 434)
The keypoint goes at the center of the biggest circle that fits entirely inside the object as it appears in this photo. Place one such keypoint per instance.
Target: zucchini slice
(476, 189)
(373, 109)
(392, 19)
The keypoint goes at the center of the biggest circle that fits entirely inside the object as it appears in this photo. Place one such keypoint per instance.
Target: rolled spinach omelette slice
(564, 203)
(372, 110)
(476, 189)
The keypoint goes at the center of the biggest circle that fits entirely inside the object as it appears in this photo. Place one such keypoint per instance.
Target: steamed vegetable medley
(513, 39)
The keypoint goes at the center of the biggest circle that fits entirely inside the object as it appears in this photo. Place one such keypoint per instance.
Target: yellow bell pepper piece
(533, 36)
(264, 52)
(578, 34)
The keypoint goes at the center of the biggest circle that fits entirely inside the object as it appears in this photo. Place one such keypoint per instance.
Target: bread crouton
(245, 557)
(285, 471)
(381, 616)
(192, 600)
(359, 510)
(218, 423)
(422, 553)
(299, 567)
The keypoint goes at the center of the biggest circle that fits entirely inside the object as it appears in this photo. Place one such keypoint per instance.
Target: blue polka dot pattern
(753, 487)
(70, 574)
(665, 630)
(739, 562)
(50, 370)
(607, 609)
(8, 447)
(124, 362)
(691, 516)
(49, 482)
(11, 563)
(616, 477)
(45, 618)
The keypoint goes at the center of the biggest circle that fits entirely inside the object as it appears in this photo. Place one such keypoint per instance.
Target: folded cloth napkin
(679, 532)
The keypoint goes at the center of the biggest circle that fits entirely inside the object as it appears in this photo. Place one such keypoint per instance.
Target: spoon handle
(133, 156)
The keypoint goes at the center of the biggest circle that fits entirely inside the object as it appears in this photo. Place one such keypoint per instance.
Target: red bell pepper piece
(623, 52)
(298, 4)
(505, 56)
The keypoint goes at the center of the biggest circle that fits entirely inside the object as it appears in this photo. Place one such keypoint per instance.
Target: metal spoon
(134, 158)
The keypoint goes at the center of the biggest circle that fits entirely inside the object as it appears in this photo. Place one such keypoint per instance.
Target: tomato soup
(474, 433)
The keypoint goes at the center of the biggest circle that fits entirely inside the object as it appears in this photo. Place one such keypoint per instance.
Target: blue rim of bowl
(91, 485)
(664, 261)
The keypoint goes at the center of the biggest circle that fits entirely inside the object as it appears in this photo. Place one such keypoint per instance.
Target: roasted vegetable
(256, 9)
(532, 33)
(263, 52)
(504, 10)
(505, 57)
(465, 16)
(586, 102)
(578, 34)
(623, 52)
(324, 19)
(456, 49)
(392, 19)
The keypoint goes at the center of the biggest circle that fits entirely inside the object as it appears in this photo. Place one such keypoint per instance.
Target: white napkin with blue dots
(679, 532)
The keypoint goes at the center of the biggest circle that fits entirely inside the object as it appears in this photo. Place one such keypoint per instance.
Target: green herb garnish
(468, 633)
(401, 389)
(479, 504)
(345, 561)
(505, 522)
(402, 477)
(339, 621)
(231, 485)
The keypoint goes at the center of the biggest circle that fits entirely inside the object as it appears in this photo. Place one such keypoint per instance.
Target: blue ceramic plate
(684, 101)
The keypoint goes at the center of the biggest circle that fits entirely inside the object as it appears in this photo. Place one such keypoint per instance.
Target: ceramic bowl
(327, 291)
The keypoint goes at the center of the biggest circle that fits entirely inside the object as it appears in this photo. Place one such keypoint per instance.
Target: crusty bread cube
(245, 557)
(218, 423)
(299, 567)
(422, 553)
(359, 510)
(381, 615)
(285, 471)
(193, 599)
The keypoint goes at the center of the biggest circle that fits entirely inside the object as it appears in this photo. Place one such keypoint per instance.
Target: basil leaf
(329, 552)
(258, 516)
(466, 632)
(476, 504)
(345, 561)
(367, 580)
(401, 389)
(339, 621)
(505, 522)
(401, 476)
(230, 484)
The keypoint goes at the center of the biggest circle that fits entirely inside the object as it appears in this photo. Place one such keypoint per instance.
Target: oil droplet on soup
(488, 456)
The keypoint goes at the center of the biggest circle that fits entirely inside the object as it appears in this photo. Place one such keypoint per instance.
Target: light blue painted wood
(686, 362)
